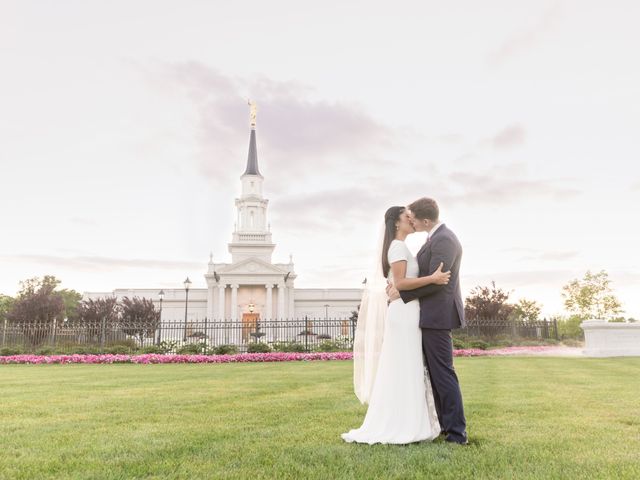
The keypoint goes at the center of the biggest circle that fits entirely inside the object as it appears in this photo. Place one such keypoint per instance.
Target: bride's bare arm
(401, 282)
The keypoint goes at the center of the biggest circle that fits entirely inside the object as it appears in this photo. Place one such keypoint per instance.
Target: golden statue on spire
(253, 111)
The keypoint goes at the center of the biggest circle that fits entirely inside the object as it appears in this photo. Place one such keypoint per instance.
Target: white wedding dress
(401, 407)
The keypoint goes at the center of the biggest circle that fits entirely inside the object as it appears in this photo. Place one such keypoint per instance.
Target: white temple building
(251, 286)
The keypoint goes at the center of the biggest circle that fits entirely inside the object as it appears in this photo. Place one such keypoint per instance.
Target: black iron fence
(220, 336)
(491, 328)
(192, 336)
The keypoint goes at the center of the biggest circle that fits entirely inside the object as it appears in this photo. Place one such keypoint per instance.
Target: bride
(389, 371)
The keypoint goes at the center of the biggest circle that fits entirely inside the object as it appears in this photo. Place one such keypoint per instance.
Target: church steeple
(252, 235)
(252, 159)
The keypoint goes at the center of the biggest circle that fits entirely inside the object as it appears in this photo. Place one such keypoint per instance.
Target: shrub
(88, 350)
(224, 350)
(503, 342)
(289, 347)
(156, 349)
(570, 328)
(258, 348)
(191, 349)
(117, 350)
(338, 345)
(65, 348)
(168, 346)
(7, 351)
(536, 342)
(459, 344)
(478, 343)
(45, 351)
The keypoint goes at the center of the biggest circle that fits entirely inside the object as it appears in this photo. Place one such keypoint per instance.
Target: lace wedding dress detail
(401, 407)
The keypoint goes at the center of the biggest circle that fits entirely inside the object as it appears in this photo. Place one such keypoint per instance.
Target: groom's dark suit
(441, 310)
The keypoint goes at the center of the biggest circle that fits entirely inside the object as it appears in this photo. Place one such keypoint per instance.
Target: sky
(124, 129)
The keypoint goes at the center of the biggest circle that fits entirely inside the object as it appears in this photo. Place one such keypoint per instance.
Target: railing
(492, 327)
(306, 334)
(252, 237)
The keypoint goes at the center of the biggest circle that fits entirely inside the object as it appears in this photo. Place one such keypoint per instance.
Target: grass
(528, 418)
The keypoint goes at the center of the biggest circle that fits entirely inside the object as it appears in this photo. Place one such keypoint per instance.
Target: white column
(280, 312)
(221, 312)
(210, 298)
(292, 305)
(269, 307)
(234, 303)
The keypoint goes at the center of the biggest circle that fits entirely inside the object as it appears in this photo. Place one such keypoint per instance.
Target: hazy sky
(124, 130)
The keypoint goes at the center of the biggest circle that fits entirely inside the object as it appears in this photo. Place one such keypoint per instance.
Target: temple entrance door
(249, 321)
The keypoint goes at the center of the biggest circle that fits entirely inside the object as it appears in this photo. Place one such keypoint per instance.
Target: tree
(354, 314)
(6, 302)
(36, 308)
(527, 310)
(35, 284)
(591, 297)
(139, 317)
(98, 316)
(71, 300)
(487, 302)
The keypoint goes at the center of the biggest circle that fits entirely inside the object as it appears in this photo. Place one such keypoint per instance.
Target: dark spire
(252, 160)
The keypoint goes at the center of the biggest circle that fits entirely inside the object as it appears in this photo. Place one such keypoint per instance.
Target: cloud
(636, 187)
(299, 134)
(92, 263)
(511, 136)
(545, 278)
(366, 201)
(331, 208)
(497, 188)
(525, 39)
(520, 278)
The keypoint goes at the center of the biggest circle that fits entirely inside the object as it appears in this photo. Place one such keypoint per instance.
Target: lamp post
(187, 285)
(326, 319)
(161, 295)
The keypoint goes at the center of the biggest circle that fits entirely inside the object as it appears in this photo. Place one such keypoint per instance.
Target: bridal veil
(370, 328)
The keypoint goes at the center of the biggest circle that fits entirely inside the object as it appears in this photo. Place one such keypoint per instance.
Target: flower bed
(170, 358)
(238, 358)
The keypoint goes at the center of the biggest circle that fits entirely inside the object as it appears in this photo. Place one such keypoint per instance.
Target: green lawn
(528, 418)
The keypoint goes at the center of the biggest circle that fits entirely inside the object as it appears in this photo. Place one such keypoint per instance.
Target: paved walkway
(551, 351)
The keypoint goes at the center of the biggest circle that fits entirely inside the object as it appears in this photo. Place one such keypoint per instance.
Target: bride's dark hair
(390, 218)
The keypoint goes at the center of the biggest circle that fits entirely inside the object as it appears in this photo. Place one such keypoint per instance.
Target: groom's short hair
(425, 209)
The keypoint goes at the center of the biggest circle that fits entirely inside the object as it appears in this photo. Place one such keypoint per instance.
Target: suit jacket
(441, 306)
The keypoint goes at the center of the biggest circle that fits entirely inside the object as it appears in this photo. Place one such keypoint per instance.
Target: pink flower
(237, 358)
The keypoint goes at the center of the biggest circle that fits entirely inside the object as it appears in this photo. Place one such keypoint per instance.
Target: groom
(441, 310)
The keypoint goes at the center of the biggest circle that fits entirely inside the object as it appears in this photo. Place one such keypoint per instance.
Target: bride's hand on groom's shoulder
(440, 277)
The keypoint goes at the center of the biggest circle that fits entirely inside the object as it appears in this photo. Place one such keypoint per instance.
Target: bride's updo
(390, 218)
